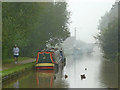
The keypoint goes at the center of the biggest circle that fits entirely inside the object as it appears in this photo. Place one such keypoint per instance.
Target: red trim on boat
(45, 67)
(37, 57)
(46, 71)
(51, 58)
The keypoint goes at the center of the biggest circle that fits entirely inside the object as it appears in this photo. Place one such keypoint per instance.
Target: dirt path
(6, 66)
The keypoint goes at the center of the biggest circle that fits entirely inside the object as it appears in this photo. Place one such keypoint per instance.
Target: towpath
(10, 65)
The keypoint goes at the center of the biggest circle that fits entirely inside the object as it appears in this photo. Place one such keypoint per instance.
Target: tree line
(108, 36)
(31, 25)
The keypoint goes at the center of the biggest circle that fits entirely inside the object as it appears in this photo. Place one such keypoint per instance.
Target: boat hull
(44, 66)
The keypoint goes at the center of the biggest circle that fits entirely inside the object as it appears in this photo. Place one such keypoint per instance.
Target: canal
(99, 73)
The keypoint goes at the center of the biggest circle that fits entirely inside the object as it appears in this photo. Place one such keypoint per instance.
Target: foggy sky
(85, 16)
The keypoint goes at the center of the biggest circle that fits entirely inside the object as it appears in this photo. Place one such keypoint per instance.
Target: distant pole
(75, 33)
(54, 2)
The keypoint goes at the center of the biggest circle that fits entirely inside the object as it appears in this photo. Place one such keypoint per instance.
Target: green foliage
(30, 25)
(108, 36)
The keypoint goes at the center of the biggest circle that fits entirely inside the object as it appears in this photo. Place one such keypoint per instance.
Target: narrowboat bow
(45, 61)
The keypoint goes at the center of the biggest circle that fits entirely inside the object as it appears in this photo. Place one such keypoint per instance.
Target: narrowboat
(45, 61)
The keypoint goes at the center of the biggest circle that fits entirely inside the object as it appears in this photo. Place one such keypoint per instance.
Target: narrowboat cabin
(45, 61)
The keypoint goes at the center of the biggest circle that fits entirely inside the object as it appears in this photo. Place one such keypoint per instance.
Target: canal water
(99, 73)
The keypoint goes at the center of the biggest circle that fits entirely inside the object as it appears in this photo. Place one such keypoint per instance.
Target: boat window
(44, 58)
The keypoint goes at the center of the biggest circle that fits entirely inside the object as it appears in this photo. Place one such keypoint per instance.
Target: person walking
(16, 53)
(61, 53)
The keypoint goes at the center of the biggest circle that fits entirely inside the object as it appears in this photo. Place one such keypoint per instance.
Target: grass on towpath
(9, 67)
(16, 68)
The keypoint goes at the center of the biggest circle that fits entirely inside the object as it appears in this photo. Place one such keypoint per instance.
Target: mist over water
(99, 73)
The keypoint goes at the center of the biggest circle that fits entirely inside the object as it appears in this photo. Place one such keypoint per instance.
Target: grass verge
(16, 69)
(6, 61)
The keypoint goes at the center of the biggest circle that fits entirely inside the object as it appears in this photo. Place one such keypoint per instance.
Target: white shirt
(16, 51)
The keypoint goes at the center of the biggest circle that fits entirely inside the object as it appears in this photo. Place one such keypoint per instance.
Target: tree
(108, 36)
(30, 25)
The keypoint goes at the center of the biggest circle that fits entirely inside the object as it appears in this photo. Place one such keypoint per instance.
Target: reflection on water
(100, 73)
(109, 74)
(44, 79)
(16, 84)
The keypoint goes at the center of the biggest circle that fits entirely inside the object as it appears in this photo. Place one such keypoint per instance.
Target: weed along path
(11, 70)
(11, 65)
